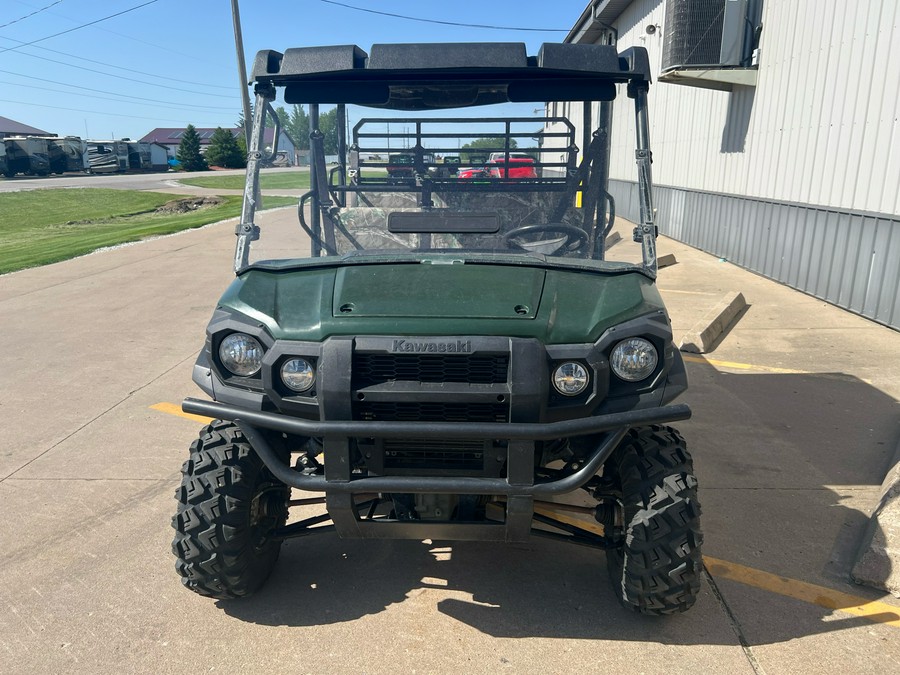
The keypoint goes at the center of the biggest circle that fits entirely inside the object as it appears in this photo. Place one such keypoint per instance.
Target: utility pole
(242, 69)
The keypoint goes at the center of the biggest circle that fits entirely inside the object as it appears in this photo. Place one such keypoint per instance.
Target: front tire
(229, 504)
(657, 569)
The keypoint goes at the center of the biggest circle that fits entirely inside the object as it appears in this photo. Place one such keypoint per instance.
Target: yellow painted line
(173, 409)
(878, 612)
(742, 366)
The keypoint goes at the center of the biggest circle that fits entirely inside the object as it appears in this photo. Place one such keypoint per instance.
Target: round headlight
(298, 374)
(241, 354)
(570, 379)
(634, 359)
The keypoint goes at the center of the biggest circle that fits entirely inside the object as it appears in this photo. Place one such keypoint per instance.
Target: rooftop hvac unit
(704, 34)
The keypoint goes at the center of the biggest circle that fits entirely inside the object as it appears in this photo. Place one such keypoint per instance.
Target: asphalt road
(795, 421)
(168, 181)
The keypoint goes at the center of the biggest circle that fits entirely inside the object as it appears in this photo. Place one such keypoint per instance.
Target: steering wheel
(576, 238)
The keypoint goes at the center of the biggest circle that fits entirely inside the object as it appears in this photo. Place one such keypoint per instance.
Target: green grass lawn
(38, 227)
(283, 180)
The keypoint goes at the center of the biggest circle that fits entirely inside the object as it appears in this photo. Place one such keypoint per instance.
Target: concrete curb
(701, 338)
(666, 261)
(878, 560)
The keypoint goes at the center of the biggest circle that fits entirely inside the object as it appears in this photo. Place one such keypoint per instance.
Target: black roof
(449, 75)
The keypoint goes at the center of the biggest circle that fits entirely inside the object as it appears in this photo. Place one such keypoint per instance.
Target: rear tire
(657, 569)
(229, 504)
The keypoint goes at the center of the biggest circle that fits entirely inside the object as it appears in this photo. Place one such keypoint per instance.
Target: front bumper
(520, 460)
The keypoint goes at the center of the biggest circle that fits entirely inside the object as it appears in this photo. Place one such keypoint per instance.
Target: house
(171, 139)
(774, 142)
(10, 127)
(288, 154)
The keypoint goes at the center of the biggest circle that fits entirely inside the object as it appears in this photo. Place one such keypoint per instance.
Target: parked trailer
(41, 156)
(68, 153)
(108, 156)
(26, 154)
(143, 157)
(138, 156)
(159, 157)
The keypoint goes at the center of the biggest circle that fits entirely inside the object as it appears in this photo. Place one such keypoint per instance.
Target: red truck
(516, 167)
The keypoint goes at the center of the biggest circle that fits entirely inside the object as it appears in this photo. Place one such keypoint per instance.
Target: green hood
(554, 305)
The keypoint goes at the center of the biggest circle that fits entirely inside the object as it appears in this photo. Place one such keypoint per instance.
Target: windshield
(437, 183)
(449, 185)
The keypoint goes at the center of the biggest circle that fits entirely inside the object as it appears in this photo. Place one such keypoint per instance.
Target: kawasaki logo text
(410, 346)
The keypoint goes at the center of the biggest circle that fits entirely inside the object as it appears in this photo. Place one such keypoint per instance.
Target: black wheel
(657, 569)
(521, 237)
(229, 504)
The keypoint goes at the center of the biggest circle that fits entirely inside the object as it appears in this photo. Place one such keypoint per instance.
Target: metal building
(775, 136)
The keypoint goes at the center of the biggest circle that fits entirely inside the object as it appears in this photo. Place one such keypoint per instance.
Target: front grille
(374, 369)
(430, 412)
(431, 454)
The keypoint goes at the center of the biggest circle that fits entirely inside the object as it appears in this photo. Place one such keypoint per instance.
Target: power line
(84, 25)
(110, 65)
(98, 91)
(127, 79)
(114, 100)
(37, 11)
(444, 23)
(95, 112)
(167, 48)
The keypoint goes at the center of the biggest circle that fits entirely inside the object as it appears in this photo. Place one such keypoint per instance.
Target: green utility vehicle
(440, 358)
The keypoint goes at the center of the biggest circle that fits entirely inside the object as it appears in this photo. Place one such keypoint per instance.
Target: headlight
(570, 379)
(241, 354)
(298, 374)
(634, 359)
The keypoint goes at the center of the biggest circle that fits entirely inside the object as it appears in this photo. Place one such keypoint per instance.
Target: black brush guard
(519, 487)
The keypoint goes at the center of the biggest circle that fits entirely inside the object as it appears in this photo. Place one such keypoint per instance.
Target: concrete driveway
(795, 422)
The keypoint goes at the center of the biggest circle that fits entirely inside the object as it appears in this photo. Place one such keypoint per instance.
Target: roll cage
(426, 77)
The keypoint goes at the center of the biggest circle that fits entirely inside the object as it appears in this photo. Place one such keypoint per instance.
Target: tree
(328, 127)
(295, 123)
(240, 120)
(269, 121)
(283, 118)
(189, 151)
(224, 150)
(297, 127)
(487, 145)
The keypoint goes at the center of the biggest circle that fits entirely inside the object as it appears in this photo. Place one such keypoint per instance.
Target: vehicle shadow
(773, 453)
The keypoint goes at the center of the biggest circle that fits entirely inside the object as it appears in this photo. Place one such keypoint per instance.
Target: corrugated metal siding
(821, 127)
(798, 178)
(850, 259)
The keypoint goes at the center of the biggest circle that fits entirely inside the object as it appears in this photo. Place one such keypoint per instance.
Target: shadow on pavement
(773, 454)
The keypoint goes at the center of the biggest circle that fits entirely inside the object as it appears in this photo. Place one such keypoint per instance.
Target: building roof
(595, 20)
(269, 134)
(172, 135)
(10, 127)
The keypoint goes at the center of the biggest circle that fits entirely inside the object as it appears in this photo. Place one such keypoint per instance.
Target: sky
(143, 64)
